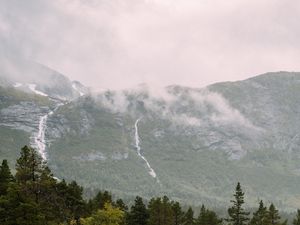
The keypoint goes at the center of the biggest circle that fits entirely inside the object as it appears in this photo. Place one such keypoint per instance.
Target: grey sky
(120, 43)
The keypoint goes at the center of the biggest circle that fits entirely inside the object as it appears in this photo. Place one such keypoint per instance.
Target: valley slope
(193, 145)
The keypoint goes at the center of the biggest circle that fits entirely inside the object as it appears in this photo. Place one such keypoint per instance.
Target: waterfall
(39, 138)
(138, 149)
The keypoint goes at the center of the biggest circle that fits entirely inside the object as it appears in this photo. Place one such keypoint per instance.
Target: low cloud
(182, 106)
(118, 44)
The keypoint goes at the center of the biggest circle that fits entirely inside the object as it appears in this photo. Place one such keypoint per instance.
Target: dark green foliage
(5, 177)
(274, 217)
(124, 208)
(29, 166)
(121, 205)
(237, 214)
(260, 217)
(99, 201)
(160, 211)
(296, 220)
(19, 208)
(177, 213)
(188, 218)
(167, 211)
(155, 211)
(207, 217)
(138, 214)
(74, 200)
(34, 197)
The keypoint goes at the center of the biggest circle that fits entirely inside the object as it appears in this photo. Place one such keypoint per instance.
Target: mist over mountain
(30, 76)
(191, 144)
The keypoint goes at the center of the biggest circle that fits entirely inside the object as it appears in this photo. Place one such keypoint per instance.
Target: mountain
(192, 144)
(32, 77)
(29, 93)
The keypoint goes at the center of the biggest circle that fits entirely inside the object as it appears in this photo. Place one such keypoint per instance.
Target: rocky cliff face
(30, 93)
(197, 142)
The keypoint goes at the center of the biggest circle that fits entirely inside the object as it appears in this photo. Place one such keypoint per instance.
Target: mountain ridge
(198, 141)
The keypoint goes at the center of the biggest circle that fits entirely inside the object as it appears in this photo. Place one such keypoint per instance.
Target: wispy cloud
(188, 107)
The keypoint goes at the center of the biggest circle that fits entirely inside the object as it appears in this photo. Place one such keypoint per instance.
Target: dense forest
(33, 196)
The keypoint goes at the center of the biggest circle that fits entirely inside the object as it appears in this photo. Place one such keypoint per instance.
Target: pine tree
(19, 208)
(5, 177)
(99, 201)
(167, 212)
(160, 211)
(29, 166)
(273, 216)
(260, 216)
(296, 220)
(49, 200)
(70, 204)
(177, 213)
(121, 205)
(207, 217)
(138, 214)
(237, 214)
(74, 200)
(188, 218)
(155, 211)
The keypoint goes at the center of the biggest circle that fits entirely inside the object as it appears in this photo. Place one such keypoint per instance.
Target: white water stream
(39, 137)
(138, 149)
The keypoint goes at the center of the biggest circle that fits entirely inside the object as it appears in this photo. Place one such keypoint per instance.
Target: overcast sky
(121, 43)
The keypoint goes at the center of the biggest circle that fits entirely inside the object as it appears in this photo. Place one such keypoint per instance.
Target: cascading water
(138, 149)
(39, 137)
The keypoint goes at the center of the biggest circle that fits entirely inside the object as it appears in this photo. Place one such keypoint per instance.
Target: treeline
(33, 196)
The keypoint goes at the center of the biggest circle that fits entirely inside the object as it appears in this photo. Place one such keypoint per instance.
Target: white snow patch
(76, 89)
(32, 87)
(16, 85)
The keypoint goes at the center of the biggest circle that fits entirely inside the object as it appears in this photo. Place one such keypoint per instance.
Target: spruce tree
(31, 172)
(167, 212)
(207, 217)
(138, 214)
(177, 213)
(296, 220)
(237, 214)
(260, 216)
(274, 217)
(188, 218)
(160, 211)
(5, 177)
(18, 208)
(29, 166)
(34, 196)
(74, 200)
(121, 205)
(155, 211)
(100, 199)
